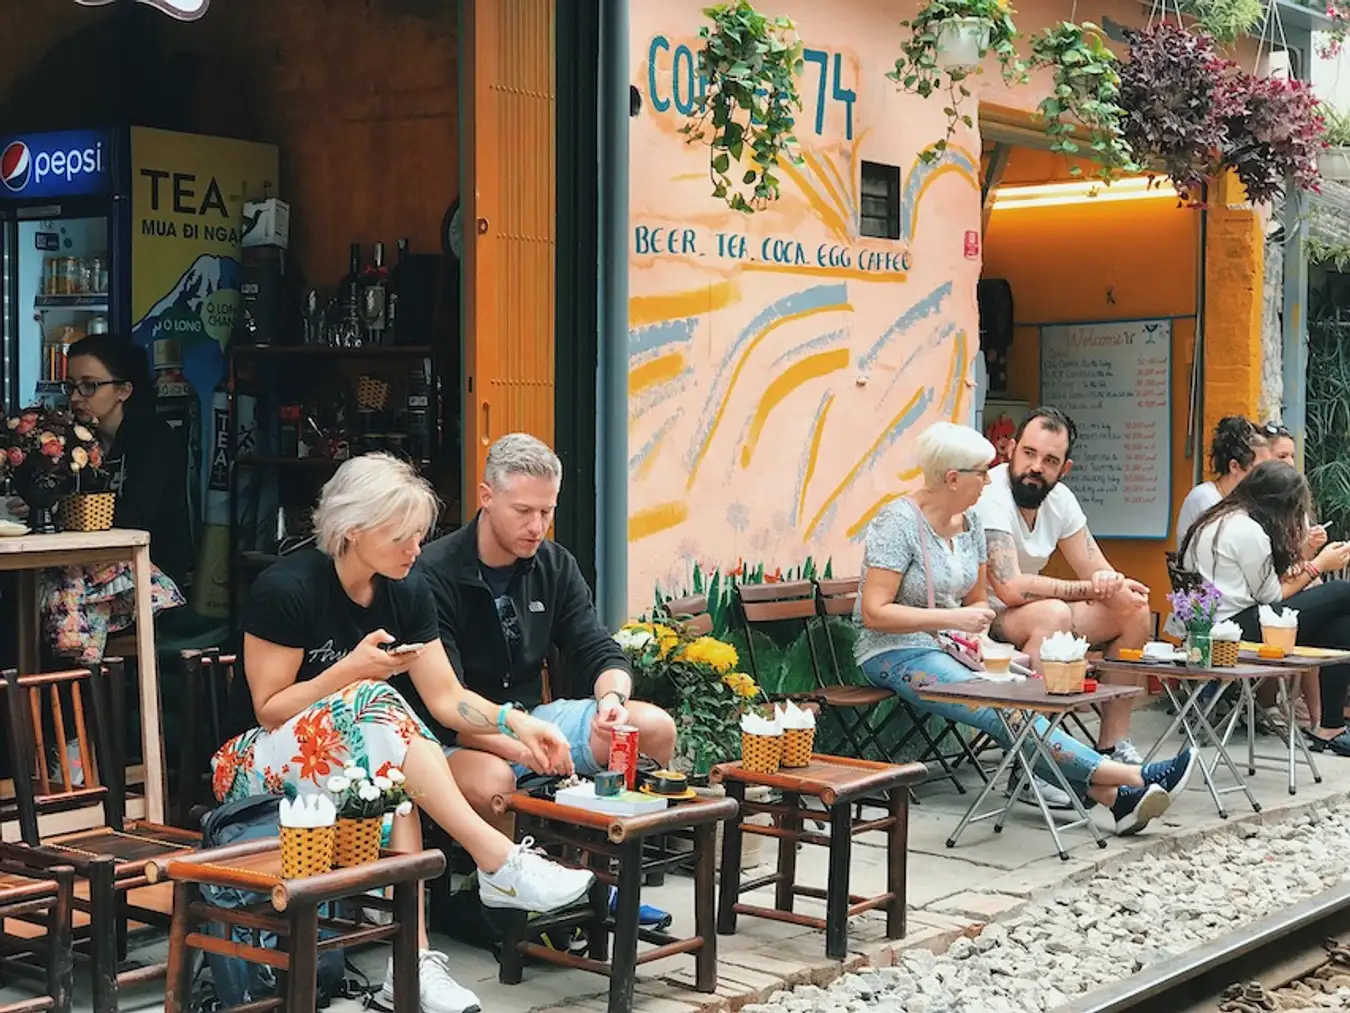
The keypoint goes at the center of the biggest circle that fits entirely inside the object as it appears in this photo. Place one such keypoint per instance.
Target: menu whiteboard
(1115, 381)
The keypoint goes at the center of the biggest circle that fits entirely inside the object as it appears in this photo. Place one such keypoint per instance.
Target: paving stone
(983, 906)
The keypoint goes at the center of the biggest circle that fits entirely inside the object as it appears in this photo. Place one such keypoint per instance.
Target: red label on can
(623, 754)
(972, 244)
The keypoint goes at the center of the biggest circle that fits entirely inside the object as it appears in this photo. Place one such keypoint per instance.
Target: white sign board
(1115, 381)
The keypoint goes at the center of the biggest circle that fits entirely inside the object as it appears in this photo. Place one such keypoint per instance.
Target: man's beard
(1029, 496)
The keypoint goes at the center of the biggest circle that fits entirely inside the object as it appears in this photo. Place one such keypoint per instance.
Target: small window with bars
(880, 211)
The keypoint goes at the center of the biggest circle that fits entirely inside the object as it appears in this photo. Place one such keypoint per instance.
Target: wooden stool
(292, 912)
(609, 839)
(838, 782)
(43, 897)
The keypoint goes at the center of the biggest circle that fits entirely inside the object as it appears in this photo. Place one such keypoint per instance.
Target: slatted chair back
(208, 689)
(44, 714)
(837, 595)
(771, 603)
(690, 614)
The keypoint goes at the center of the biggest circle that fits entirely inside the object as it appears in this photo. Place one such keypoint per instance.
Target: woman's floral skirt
(367, 724)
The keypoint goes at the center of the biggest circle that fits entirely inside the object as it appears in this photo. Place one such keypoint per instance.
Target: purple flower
(1196, 608)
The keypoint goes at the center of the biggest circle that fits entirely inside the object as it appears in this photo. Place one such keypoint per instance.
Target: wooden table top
(678, 816)
(1192, 673)
(1295, 660)
(831, 778)
(75, 541)
(1028, 695)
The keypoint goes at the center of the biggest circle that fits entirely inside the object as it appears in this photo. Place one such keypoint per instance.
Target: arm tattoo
(1002, 556)
(1064, 590)
(474, 716)
(1094, 553)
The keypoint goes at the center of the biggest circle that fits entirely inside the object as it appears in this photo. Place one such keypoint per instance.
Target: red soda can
(623, 754)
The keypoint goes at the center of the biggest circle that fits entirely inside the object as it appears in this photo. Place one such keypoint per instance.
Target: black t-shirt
(299, 602)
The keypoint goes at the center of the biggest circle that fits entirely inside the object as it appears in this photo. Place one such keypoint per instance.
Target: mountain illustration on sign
(181, 314)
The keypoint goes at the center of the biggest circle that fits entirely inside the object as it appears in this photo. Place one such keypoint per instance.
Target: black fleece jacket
(555, 609)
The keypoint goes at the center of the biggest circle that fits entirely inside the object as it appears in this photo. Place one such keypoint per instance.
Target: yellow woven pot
(86, 511)
(1223, 653)
(1064, 676)
(357, 842)
(797, 745)
(306, 851)
(761, 754)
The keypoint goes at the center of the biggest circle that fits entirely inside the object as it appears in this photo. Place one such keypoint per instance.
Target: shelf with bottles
(84, 303)
(333, 351)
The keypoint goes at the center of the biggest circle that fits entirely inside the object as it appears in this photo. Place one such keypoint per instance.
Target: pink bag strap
(923, 548)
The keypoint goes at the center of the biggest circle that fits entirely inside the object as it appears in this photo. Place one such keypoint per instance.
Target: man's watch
(623, 697)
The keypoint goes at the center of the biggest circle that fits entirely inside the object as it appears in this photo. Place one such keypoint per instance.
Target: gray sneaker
(1055, 796)
(1124, 752)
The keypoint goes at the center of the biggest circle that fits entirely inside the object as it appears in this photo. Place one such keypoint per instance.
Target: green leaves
(750, 63)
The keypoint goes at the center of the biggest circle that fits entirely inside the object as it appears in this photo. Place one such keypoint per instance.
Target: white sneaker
(530, 882)
(1124, 752)
(440, 993)
(1055, 796)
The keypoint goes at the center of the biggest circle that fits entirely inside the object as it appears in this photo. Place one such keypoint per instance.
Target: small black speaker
(416, 282)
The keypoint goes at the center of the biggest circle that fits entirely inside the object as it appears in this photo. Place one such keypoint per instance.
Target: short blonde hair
(945, 446)
(520, 454)
(369, 492)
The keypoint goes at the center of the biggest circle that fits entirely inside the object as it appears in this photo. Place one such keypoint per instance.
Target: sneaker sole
(385, 1004)
(1026, 798)
(500, 901)
(1150, 807)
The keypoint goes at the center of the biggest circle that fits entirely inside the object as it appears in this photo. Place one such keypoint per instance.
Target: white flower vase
(962, 43)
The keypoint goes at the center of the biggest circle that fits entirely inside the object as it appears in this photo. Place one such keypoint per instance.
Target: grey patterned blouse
(893, 544)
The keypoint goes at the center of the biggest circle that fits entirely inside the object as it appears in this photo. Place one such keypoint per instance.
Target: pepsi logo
(16, 166)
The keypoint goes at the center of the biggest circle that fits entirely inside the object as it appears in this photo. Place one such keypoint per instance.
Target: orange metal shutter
(508, 224)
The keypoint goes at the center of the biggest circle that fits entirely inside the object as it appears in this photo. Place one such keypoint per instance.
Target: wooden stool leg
(836, 890)
(178, 979)
(784, 894)
(407, 993)
(103, 911)
(302, 977)
(897, 863)
(597, 931)
(705, 875)
(730, 888)
(60, 951)
(510, 968)
(623, 968)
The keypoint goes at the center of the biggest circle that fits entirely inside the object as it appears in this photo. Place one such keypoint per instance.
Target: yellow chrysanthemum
(741, 684)
(710, 651)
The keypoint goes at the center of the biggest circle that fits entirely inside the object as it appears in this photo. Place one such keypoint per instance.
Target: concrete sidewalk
(952, 892)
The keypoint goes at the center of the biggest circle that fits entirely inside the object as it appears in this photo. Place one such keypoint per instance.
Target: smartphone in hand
(406, 648)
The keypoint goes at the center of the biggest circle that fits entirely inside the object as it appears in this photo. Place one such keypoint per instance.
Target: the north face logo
(184, 10)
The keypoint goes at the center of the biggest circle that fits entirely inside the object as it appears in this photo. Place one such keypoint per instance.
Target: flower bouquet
(47, 454)
(362, 803)
(1195, 608)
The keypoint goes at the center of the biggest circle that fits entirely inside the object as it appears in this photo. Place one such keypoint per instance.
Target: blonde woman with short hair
(324, 630)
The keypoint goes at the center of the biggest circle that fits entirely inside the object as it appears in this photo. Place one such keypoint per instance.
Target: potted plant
(1334, 161)
(750, 63)
(1333, 40)
(47, 454)
(1085, 93)
(362, 803)
(1196, 608)
(1225, 20)
(945, 44)
(1275, 134)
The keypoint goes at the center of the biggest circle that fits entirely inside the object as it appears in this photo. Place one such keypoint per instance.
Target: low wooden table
(617, 840)
(839, 782)
(291, 910)
(1025, 702)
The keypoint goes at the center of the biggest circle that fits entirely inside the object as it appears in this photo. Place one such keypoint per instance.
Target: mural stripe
(921, 175)
(641, 462)
(812, 456)
(909, 474)
(849, 201)
(859, 527)
(642, 340)
(833, 273)
(659, 370)
(654, 520)
(829, 217)
(819, 169)
(656, 309)
(953, 377)
(807, 347)
(781, 386)
(908, 415)
(934, 340)
(925, 307)
(960, 376)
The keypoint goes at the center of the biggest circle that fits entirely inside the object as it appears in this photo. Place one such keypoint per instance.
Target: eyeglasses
(971, 471)
(87, 388)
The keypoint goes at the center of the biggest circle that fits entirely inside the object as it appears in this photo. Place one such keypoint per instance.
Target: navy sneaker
(1135, 808)
(1170, 775)
(648, 917)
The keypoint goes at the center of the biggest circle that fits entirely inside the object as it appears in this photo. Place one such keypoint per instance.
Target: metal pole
(612, 292)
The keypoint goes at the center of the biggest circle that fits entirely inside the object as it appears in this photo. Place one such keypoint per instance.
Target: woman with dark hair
(1250, 546)
(1237, 447)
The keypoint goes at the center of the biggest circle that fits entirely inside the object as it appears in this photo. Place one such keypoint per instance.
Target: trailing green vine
(1085, 93)
(750, 63)
(922, 71)
(1226, 20)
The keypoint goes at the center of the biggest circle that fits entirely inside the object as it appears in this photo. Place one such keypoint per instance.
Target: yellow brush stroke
(937, 173)
(828, 184)
(960, 375)
(856, 175)
(838, 273)
(829, 217)
(814, 454)
(861, 524)
(780, 387)
(853, 472)
(953, 373)
(662, 369)
(909, 474)
(740, 365)
(657, 309)
(654, 520)
(839, 179)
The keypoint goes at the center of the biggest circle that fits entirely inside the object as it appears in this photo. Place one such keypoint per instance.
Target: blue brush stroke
(795, 302)
(658, 395)
(647, 339)
(925, 307)
(909, 210)
(800, 351)
(806, 457)
(646, 449)
(932, 341)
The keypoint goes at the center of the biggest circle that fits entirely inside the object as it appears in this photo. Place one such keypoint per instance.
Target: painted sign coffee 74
(183, 10)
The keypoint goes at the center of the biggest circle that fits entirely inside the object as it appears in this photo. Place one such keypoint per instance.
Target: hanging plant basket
(1334, 164)
(962, 43)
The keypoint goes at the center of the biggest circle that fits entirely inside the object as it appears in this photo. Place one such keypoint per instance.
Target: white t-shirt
(1058, 517)
(1197, 501)
(1234, 555)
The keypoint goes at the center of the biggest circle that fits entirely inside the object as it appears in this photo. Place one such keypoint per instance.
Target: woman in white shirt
(1249, 546)
(1237, 447)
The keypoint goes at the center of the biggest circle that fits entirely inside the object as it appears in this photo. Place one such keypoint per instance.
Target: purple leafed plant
(1197, 607)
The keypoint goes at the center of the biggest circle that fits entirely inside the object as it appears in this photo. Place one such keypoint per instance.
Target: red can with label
(623, 754)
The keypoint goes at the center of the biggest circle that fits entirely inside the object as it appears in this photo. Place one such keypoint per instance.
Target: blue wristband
(502, 726)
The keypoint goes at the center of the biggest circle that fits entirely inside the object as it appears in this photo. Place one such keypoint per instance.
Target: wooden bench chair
(28, 896)
(111, 857)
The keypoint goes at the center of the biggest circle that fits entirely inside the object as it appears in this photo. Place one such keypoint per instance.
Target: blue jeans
(898, 671)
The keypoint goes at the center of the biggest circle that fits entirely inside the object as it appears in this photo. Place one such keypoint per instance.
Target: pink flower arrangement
(50, 448)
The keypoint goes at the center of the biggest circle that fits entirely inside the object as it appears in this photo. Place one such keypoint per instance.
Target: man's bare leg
(1025, 626)
(1115, 628)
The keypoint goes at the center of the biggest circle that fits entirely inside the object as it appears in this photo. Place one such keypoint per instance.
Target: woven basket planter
(761, 754)
(1064, 677)
(306, 851)
(86, 511)
(797, 745)
(1224, 653)
(357, 842)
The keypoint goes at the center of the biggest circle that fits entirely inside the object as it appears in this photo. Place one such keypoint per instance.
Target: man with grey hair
(507, 597)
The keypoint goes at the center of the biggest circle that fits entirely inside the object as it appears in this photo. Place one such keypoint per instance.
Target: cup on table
(997, 657)
(1282, 637)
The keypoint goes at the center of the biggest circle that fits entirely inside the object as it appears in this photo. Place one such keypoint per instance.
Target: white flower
(383, 783)
(355, 774)
(395, 775)
(404, 808)
(368, 792)
(633, 640)
(337, 785)
(83, 433)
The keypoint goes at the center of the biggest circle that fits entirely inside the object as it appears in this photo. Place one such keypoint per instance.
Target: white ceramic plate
(12, 529)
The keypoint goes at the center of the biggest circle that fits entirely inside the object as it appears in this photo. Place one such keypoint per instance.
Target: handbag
(954, 644)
